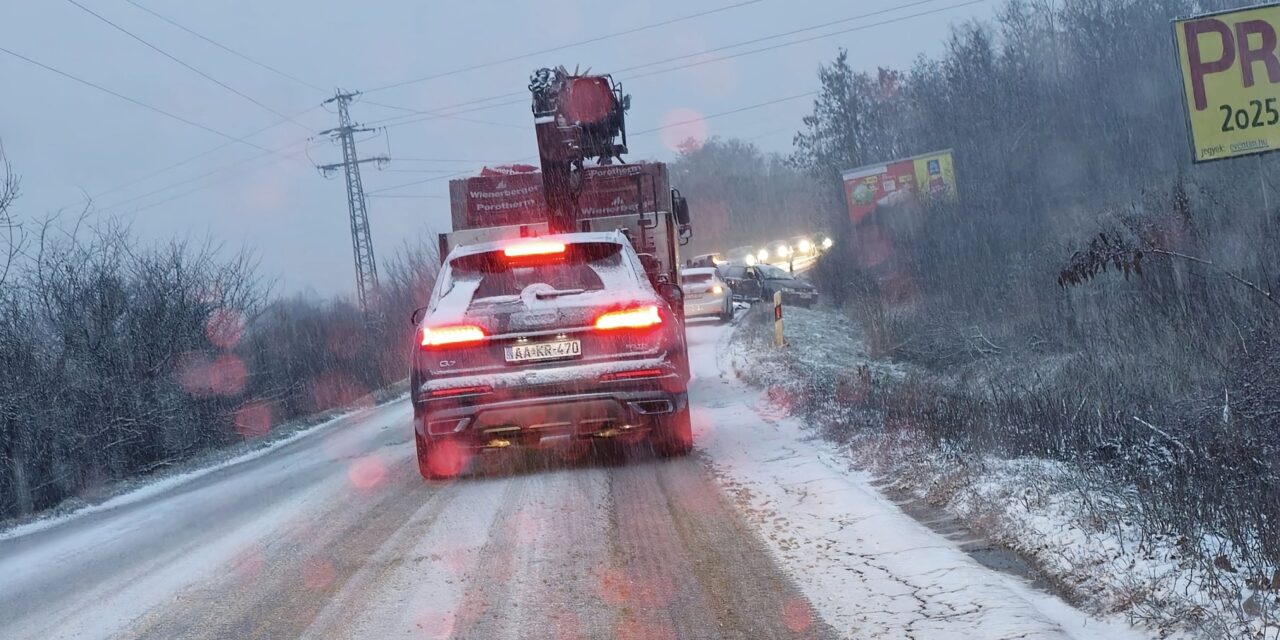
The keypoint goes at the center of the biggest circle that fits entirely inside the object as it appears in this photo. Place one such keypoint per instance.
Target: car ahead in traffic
(759, 282)
(705, 260)
(547, 341)
(705, 294)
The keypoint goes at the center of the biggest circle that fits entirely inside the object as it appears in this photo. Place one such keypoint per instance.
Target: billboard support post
(1262, 182)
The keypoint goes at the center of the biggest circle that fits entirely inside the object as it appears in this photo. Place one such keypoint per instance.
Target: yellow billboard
(1231, 81)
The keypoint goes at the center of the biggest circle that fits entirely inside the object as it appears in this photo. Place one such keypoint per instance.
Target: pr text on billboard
(1230, 66)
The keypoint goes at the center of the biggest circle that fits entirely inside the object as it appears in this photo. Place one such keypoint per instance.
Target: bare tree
(11, 231)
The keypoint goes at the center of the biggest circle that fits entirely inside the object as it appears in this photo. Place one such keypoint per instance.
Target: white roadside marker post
(777, 319)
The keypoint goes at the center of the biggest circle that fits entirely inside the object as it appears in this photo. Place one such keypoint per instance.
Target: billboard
(931, 175)
(1231, 81)
(500, 198)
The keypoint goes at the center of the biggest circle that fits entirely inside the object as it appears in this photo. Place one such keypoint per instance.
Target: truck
(634, 198)
(557, 319)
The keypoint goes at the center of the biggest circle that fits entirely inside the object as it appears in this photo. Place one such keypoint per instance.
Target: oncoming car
(546, 341)
(706, 294)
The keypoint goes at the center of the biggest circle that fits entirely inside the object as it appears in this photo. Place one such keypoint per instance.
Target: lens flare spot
(226, 375)
(684, 130)
(633, 628)
(248, 563)
(317, 574)
(224, 328)
(797, 614)
(367, 473)
(253, 420)
(436, 625)
(338, 390)
(448, 459)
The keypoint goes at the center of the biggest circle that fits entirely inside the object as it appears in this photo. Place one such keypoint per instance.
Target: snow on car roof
(615, 237)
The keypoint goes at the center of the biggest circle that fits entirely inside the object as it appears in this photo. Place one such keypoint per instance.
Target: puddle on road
(987, 553)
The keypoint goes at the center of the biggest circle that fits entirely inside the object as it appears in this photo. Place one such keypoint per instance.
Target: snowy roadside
(1035, 507)
(867, 568)
(133, 490)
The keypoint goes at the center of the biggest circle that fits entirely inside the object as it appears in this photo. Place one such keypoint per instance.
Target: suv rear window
(583, 266)
(697, 277)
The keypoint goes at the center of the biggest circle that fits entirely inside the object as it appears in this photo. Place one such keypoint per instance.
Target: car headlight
(717, 289)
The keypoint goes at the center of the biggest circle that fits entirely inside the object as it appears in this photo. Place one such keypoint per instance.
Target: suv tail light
(637, 318)
(460, 335)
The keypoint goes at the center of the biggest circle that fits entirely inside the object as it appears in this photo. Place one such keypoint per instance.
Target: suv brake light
(451, 336)
(534, 248)
(637, 318)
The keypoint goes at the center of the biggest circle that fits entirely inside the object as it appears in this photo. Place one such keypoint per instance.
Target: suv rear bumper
(534, 414)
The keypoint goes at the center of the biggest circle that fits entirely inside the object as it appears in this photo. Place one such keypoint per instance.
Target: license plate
(544, 351)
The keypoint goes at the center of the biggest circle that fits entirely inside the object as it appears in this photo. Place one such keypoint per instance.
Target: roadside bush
(117, 360)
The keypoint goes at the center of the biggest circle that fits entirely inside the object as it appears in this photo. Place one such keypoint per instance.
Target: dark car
(759, 282)
(743, 280)
(794, 290)
(547, 341)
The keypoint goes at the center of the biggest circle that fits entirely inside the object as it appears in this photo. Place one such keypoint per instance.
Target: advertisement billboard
(930, 175)
(1231, 81)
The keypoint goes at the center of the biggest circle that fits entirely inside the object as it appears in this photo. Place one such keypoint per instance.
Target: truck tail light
(460, 335)
(637, 318)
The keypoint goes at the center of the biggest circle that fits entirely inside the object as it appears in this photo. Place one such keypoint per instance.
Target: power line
(695, 63)
(418, 170)
(208, 186)
(121, 96)
(439, 178)
(863, 27)
(564, 46)
(180, 62)
(444, 115)
(399, 159)
(638, 133)
(225, 167)
(775, 36)
(204, 154)
(758, 105)
(413, 196)
(376, 193)
(228, 49)
(667, 70)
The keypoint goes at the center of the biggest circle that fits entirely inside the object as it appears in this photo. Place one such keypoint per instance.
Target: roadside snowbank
(138, 489)
(869, 570)
(1045, 510)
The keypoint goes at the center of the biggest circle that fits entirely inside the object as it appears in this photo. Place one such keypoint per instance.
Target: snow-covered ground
(763, 533)
(868, 569)
(1075, 526)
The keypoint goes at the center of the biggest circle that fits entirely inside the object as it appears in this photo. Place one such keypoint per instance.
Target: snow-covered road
(761, 534)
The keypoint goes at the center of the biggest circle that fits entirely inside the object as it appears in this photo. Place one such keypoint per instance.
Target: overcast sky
(68, 140)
